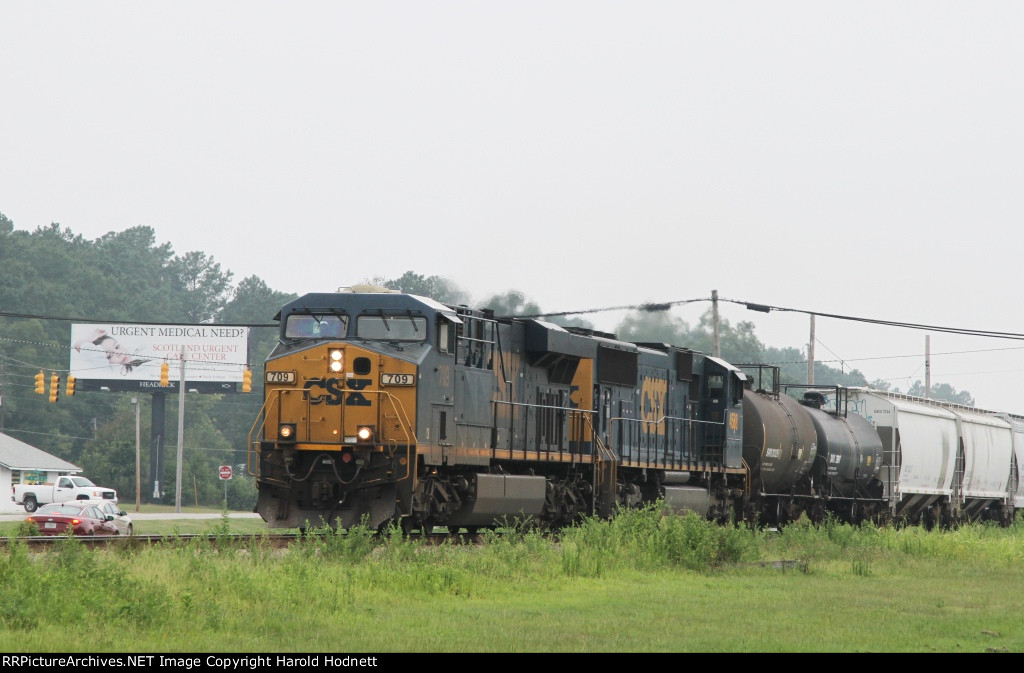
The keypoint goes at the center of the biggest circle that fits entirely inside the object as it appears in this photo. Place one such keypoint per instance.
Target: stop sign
(225, 471)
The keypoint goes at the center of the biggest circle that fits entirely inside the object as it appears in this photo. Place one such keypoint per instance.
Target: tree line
(51, 277)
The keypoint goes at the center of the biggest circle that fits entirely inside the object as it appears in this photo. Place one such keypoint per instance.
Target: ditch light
(365, 434)
(286, 433)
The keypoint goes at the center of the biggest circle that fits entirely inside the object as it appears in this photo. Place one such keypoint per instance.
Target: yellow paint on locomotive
(653, 396)
(328, 407)
(582, 397)
(513, 361)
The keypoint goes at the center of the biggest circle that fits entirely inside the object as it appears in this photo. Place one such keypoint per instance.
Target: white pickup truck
(31, 496)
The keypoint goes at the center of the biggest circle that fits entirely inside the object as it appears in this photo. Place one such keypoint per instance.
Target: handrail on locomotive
(396, 405)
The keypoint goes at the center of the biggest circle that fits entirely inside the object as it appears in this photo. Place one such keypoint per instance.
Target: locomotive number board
(280, 377)
(397, 379)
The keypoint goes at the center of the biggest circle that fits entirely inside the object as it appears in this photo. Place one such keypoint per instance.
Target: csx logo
(332, 391)
(654, 397)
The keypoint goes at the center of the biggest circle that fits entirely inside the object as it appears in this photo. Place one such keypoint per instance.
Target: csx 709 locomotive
(385, 408)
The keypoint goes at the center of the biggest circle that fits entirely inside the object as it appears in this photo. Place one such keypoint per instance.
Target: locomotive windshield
(303, 326)
(392, 327)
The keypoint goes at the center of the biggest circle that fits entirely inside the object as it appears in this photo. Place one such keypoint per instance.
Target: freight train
(382, 408)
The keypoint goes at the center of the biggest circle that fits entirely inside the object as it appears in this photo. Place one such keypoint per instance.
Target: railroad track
(236, 540)
(128, 541)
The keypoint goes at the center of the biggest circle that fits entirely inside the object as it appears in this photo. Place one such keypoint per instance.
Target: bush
(647, 538)
(25, 529)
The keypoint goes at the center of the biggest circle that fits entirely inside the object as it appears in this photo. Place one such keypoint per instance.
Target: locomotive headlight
(336, 360)
(286, 433)
(364, 433)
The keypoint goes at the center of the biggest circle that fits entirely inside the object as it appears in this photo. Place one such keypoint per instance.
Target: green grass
(639, 583)
(198, 526)
(151, 508)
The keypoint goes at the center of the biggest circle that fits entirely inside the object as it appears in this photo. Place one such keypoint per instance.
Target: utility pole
(716, 346)
(810, 355)
(927, 367)
(3, 376)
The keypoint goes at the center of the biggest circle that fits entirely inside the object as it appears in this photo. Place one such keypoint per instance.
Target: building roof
(17, 455)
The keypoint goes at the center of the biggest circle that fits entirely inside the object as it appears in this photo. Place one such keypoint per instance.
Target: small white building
(22, 463)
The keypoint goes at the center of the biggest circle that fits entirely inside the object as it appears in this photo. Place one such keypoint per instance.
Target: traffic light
(40, 383)
(69, 390)
(54, 387)
(164, 369)
(247, 380)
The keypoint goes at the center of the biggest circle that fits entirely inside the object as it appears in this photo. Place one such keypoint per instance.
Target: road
(140, 516)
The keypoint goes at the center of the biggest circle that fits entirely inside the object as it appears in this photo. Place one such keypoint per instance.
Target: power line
(34, 316)
(9, 431)
(767, 308)
(647, 308)
(894, 357)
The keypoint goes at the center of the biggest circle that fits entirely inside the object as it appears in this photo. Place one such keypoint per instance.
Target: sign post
(225, 473)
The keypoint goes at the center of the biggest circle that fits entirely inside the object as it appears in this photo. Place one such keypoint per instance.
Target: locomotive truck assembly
(386, 408)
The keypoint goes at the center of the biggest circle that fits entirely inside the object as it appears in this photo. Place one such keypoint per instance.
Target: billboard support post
(181, 432)
(138, 453)
(156, 450)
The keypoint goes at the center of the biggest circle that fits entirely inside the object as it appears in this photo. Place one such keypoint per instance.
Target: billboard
(121, 356)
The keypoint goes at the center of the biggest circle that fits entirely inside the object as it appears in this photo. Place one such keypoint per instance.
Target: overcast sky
(855, 158)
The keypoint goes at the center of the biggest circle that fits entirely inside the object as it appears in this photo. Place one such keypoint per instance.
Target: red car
(83, 519)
